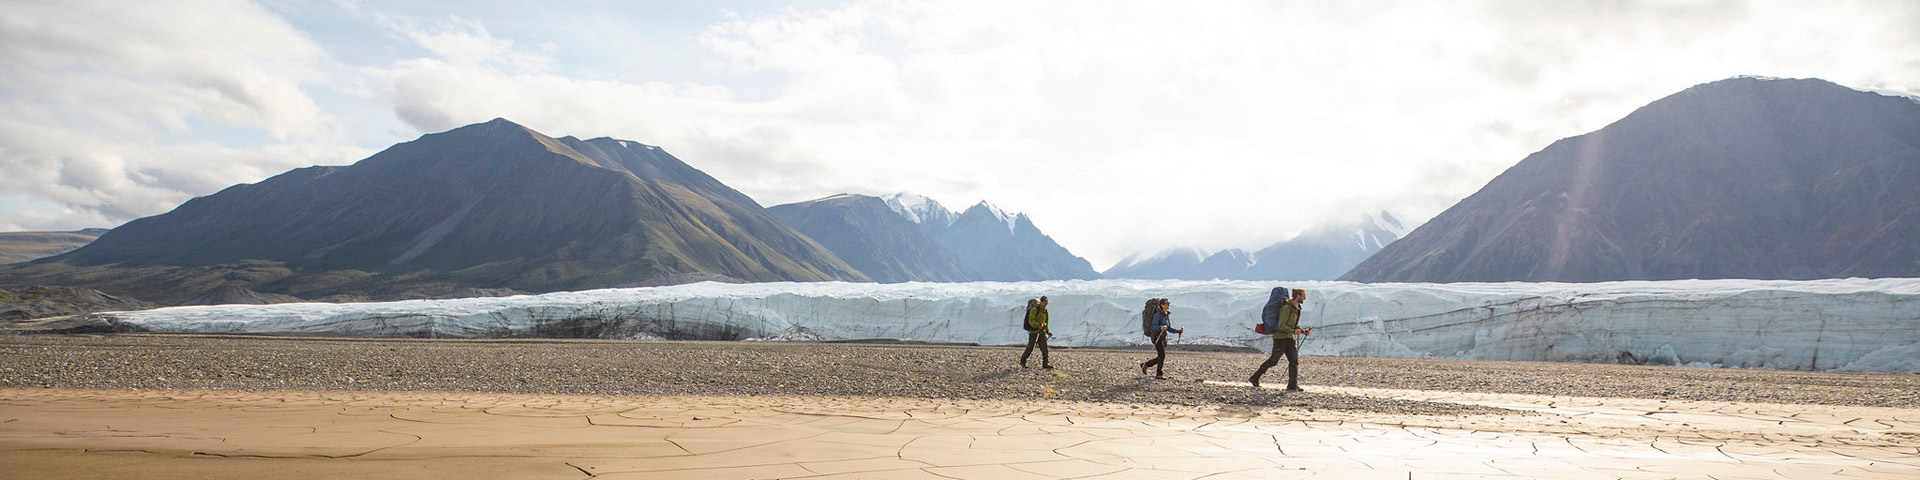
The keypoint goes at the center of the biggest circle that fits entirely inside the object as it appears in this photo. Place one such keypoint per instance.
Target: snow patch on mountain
(919, 209)
(1002, 215)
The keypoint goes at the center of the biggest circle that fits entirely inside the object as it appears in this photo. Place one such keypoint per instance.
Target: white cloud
(1228, 124)
(105, 101)
(1211, 121)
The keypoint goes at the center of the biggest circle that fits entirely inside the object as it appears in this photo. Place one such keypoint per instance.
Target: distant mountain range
(1748, 177)
(1741, 178)
(906, 237)
(493, 205)
(18, 247)
(1322, 253)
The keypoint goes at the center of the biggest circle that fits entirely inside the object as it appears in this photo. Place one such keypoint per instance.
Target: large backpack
(1026, 321)
(1146, 316)
(1270, 314)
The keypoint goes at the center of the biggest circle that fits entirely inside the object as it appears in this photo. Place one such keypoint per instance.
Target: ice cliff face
(1849, 324)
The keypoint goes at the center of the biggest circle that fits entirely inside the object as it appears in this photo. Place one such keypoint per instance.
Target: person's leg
(1151, 361)
(1293, 365)
(1043, 350)
(1160, 355)
(1272, 359)
(1029, 353)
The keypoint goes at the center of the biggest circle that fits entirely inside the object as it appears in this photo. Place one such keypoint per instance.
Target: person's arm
(1046, 324)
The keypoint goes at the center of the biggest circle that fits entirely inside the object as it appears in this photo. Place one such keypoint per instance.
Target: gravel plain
(606, 367)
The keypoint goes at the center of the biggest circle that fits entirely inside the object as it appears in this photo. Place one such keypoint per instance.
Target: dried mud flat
(253, 407)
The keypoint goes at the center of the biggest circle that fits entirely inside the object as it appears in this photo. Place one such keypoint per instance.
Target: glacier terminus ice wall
(1849, 324)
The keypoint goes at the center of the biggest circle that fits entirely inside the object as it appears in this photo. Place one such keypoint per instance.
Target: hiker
(1037, 332)
(1281, 317)
(1157, 328)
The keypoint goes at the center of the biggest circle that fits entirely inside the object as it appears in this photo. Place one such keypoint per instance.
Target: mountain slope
(18, 247)
(870, 236)
(490, 205)
(1740, 178)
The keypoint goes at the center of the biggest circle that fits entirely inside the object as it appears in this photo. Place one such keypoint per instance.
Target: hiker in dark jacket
(1284, 315)
(1157, 329)
(1037, 333)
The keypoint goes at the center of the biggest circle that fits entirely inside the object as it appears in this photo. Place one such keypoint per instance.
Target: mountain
(1169, 264)
(1326, 252)
(920, 210)
(489, 205)
(1741, 178)
(18, 247)
(984, 243)
(1321, 253)
(1007, 247)
(869, 234)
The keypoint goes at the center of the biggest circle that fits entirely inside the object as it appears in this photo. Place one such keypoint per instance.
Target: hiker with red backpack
(1037, 332)
(1156, 324)
(1281, 318)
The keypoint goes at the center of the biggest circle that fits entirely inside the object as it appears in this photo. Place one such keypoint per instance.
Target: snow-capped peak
(1004, 217)
(918, 208)
(629, 144)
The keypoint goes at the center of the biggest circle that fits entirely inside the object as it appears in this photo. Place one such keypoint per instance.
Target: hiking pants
(1159, 361)
(1035, 337)
(1282, 346)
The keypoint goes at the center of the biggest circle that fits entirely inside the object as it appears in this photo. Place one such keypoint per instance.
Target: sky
(1119, 127)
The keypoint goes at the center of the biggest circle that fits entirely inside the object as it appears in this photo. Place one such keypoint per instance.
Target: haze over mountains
(906, 237)
(1747, 177)
(490, 205)
(1321, 253)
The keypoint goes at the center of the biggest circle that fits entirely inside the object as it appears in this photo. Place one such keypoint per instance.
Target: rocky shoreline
(599, 367)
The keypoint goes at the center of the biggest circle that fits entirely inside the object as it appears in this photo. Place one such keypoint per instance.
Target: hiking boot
(1046, 367)
(1255, 381)
(1294, 388)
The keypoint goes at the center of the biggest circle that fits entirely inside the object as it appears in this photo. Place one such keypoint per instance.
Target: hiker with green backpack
(1281, 319)
(1037, 332)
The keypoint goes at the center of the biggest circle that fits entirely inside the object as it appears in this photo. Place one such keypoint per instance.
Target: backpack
(1270, 314)
(1026, 321)
(1146, 316)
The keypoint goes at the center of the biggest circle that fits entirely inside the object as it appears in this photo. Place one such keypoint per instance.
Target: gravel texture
(599, 367)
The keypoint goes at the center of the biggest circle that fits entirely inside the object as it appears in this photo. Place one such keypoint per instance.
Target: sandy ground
(221, 407)
(67, 433)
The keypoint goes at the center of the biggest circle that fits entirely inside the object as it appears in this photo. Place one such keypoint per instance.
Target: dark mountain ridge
(1741, 178)
(490, 205)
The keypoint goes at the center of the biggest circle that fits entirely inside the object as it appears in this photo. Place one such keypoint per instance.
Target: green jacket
(1037, 319)
(1289, 320)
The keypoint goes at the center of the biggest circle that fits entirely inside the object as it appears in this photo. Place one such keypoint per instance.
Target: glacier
(1841, 324)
